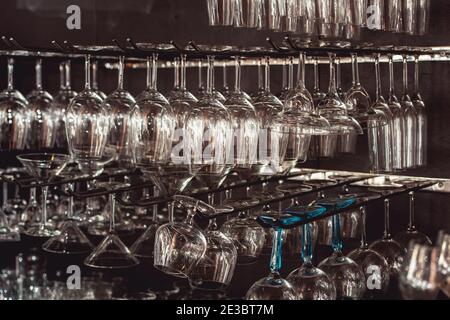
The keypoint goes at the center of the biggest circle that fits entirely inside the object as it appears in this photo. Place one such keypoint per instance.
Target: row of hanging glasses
(341, 19)
(269, 137)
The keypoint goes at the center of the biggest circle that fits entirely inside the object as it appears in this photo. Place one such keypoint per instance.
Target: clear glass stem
(183, 72)
(94, 75)
(38, 68)
(332, 87)
(237, 74)
(301, 70)
(307, 246)
(316, 75)
(176, 73)
(154, 82)
(284, 76)
(411, 223)
(364, 244)
(210, 75)
(44, 206)
(267, 74)
(67, 74)
(71, 187)
(378, 78)
(62, 75)
(112, 203)
(201, 86)
(291, 73)
(387, 233)
(155, 206)
(338, 74)
(5, 195)
(416, 75)
(391, 80)
(355, 70)
(276, 256)
(224, 76)
(87, 72)
(32, 200)
(121, 72)
(171, 211)
(405, 76)
(10, 73)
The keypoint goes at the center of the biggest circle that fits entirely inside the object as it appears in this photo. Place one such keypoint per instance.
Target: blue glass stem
(276, 257)
(307, 246)
(336, 237)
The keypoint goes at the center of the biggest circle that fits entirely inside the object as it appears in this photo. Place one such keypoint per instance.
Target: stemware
(244, 126)
(398, 147)
(346, 274)
(202, 91)
(111, 253)
(179, 246)
(44, 167)
(335, 112)
(309, 282)
(422, 121)
(410, 122)
(317, 94)
(411, 233)
(208, 136)
(418, 276)
(43, 120)
(273, 287)
(13, 115)
(215, 269)
(388, 248)
(176, 80)
(357, 99)
(443, 261)
(151, 92)
(374, 266)
(87, 127)
(95, 87)
(61, 101)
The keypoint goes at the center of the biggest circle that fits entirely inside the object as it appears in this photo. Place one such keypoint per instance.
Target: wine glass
(61, 101)
(388, 248)
(176, 80)
(208, 136)
(244, 126)
(309, 282)
(443, 260)
(346, 274)
(288, 70)
(422, 121)
(397, 122)
(216, 268)
(151, 92)
(418, 276)
(87, 128)
(111, 253)
(248, 236)
(13, 115)
(404, 238)
(335, 112)
(95, 87)
(273, 287)
(374, 266)
(317, 94)
(44, 167)
(43, 121)
(179, 246)
(410, 122)
(202, 91)
(357, 98)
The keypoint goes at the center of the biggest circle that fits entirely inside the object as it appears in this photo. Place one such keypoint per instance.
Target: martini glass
(71, 239)
(422, 121)
(388, 248)
(111, 253)
(374, 266)
(398, 147)
(144, 245)
(44, 167)
(43, 122)
(100, 93)
(309, 282)
(411, 234)
(61, 101)
(410, 122)
(273, 287)
(13, 115)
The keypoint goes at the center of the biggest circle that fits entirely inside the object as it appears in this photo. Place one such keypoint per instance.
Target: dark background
(36, 23)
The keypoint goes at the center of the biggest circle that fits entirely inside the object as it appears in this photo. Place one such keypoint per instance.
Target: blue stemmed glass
(346, 274)
(272, 287)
